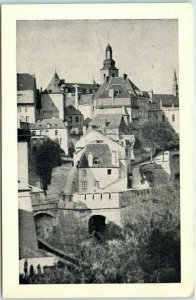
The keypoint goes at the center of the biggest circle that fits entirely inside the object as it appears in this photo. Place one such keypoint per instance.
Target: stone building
(116, 92)
(26, 98)
(59, 95)
(101, 169)
(165, 107)
(31, 258)
(55, 129)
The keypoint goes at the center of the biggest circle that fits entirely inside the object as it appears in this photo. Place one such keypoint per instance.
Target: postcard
(98, 182)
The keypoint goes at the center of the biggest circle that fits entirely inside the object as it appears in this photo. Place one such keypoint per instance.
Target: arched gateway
(97, 226)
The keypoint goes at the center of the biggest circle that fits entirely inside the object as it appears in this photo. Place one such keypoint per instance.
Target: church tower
(108, 69)
(175, 85)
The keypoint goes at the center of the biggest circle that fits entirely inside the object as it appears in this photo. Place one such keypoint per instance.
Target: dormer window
(96, 161)
(48, 125)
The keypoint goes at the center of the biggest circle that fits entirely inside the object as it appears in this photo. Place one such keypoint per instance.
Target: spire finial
(108, 38)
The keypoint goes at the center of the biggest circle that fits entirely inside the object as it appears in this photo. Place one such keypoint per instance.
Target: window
(47, 130)
(26, 108)
(156, 117)
(109, 171)
(76, 119)
(173, 118)
(38, 110)
(96, 161)
(19, 108)
(84, 173)
(27, 119)
(70, 119)
(97, 184)
(84, 185)
(56, 132)
(34, 132)
(163, 118)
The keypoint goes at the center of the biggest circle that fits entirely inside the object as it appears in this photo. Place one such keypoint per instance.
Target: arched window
(163, 118)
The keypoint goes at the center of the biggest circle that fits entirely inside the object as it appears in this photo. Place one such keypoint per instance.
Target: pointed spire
(175, 85)
(54, 83)
(175, 77)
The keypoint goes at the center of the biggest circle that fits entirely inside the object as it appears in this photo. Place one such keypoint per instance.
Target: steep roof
(125, 87)
(25, 81)
(54, 84)
(109, 120)
(71, 110)
(84, 99)
(167, 99)
(99, 151)
(48, 124)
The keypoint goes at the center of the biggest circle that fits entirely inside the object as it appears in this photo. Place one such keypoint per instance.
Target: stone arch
(44, 225)
(97, 226)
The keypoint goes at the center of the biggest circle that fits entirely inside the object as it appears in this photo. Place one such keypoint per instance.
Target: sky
(145, 50)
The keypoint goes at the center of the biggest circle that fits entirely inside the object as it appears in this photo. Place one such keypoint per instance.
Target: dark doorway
(97, 226)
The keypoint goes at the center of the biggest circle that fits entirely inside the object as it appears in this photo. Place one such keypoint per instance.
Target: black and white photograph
(99, 148)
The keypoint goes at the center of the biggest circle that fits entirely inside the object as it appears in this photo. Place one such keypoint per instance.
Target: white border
(10, 13)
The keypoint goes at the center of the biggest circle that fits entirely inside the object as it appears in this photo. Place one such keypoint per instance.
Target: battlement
(98, 200)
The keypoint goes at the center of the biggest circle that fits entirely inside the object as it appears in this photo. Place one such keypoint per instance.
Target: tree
(160, 136)
(47, 156)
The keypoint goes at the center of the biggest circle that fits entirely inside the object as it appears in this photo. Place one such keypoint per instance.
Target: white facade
(172, 116)
(60, 136)
(26, 106)
(52, 106)
(95, 136)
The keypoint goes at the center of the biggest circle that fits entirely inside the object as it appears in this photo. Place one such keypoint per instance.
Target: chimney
(125, 76)
(40, 89)
(114, 158)
(160, 103)
(76, 94)
(90, 160)
(150, 94)
(107, 78)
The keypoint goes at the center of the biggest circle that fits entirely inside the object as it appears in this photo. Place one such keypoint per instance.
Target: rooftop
(48, 124)
(167, 99)
(99, 151)
(25, 81)
(122, 86)
(108, 120)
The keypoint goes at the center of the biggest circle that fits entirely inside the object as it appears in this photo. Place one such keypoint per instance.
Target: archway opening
(97, 227)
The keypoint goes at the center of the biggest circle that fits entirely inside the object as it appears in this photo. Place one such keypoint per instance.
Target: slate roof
(83, 100)
(167, 100)
(54, 124)
(99, 151)
(56, 83)
(126, 87)
(71, 110)
(110, 120)
(25, 81)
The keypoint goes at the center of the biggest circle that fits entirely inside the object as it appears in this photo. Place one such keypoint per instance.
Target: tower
(175, 85)
(108, 69)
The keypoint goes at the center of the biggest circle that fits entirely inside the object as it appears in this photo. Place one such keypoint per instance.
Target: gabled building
(55, 129)
(26, 98)
(74, 120)
(112, 125)
(101, 169)
(59, 95)
(165, 107)
(116, 92)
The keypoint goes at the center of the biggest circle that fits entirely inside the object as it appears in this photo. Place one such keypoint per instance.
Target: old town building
(26, 98)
